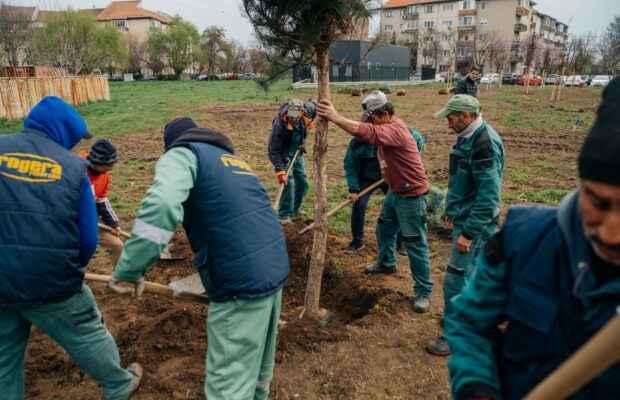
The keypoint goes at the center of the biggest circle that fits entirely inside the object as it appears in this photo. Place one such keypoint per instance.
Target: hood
(205, 135)
(59, 120)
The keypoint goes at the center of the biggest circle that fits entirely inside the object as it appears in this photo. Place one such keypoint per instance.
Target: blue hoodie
(49, 221)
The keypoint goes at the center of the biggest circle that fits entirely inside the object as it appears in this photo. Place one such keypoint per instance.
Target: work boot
(136, 370)
(354, 247)
(438, 347)
(285, 221)
(379, 269)
(420, 304)
(401, 250)
(300, 213)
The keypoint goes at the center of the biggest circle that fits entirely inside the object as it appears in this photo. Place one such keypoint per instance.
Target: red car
(534, 80)
(232, 77)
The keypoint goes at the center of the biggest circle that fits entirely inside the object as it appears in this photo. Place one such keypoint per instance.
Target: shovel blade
(189, 284)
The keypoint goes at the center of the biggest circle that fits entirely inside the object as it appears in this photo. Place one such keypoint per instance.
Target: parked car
(600, 80)
(553, 79)
(490, 78)
(440, 78)
(248, 76)
(416, 77)
(232, 77)
(534, 80)
(116, 78)
(510, 79)
(573, 80)
(211, 77)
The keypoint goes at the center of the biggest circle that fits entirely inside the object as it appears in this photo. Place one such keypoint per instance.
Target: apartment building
(452, 35)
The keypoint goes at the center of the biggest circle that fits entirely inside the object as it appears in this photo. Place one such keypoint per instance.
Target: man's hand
(116, 231)
(352, 197)
(326, 109)
(447, 224)
(463, 244)
(130, 288)
(282, 177)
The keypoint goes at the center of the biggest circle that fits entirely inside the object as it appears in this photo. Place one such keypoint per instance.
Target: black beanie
(175, 128)
(102, 153)
(599, 159)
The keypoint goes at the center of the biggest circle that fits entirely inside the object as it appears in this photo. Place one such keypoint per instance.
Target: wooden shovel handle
(594, 357)
(344, 204)
(107, 228)
(276, 203)
(154, 288)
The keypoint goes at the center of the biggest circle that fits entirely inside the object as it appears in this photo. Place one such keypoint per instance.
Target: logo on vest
(29, 167)
(237, 165)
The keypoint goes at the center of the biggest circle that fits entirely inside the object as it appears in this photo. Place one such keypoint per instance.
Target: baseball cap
(373, 102)
(458, 103)
(295, 108)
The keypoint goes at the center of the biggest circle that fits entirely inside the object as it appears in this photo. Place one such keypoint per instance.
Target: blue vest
(40, 185)
(546, 322)
(239, 247)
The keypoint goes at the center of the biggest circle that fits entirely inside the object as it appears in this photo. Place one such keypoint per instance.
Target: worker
(546, 283)
(469, 83)
(404, 206)
(288, 135)
(47, 236)
(239, 252)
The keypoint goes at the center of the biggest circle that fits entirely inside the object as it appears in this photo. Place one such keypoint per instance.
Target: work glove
(130, 288)
(281, 177)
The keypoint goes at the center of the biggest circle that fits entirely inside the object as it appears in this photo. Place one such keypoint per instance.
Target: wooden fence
(19, 95)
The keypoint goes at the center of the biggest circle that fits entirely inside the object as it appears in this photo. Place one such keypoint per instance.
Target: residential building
(453, 35)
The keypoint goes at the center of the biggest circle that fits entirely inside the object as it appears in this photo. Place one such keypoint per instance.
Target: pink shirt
(399, 157)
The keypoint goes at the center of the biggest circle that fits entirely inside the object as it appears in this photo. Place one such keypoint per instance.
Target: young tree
(177, 44)
(16, 31)
(305, 30)
(136, 54)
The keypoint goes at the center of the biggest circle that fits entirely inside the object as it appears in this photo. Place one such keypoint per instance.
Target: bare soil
(371, 344)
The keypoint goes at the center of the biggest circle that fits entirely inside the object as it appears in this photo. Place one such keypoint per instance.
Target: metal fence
(19, 95)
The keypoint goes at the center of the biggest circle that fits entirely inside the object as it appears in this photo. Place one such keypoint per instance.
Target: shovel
(159, 289)
(276, 204)
(344, 204)
(165, 254)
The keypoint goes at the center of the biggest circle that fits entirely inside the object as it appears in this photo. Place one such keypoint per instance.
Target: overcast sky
(582, 16)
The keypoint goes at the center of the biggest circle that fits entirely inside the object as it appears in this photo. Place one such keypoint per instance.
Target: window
(413, 9)
(446, 53)
(402, 27)
(155, 23)
(429, 24)
(377, 66)
(122, 23)
(428, 9)
(446, 24)
(335, 70)
(388, 28)
(348, 71)
(387, 14)
(466, 5)
(447, 7)
(483, 38)
(484, 22)
(445, 38)
(462, 51)
(466, 21)
(403, 12)
(484, 5)
(443, 67)
(524, 3)
(412, 25)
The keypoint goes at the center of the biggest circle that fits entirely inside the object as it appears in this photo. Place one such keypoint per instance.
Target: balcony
(519, 27)
(465, 13)
(411, 31)
(522, 11)
(544, 27)
(463, 58)
(411, 15)
(466, 28)
(562, 34)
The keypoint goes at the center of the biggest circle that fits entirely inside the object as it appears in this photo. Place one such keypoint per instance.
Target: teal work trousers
(409, 215)
(296, 189)
(77, 325)
(241, 348)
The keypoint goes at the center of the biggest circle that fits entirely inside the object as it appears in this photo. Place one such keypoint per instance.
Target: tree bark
(319, 164)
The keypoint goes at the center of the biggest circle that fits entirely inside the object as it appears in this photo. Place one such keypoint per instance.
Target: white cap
(372, 102)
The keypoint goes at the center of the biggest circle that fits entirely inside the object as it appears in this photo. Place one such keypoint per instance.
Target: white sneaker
(137, 371)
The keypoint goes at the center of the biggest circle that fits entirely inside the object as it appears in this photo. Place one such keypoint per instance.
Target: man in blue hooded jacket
(553, 275)
(47, 236)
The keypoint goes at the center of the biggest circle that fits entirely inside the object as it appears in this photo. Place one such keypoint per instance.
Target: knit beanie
(102, 153)
(175, 128)
(599, 159)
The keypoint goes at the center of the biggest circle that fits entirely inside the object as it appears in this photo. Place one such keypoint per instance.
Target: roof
(92, 11)
(405, 3)
(129, 10)
(44, 14)
(21, 13)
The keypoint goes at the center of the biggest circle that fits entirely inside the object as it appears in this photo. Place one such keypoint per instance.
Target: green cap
(460, 102)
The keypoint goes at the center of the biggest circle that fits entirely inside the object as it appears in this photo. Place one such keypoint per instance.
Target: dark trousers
(358, 214)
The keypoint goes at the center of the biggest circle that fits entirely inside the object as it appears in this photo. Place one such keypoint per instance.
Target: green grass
(140, 106)
(542, 196)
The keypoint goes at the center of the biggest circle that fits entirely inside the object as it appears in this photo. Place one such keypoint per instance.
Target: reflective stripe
(263, 385)
(151, 232)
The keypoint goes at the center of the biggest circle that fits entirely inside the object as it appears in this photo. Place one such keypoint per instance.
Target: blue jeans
(409, 215)
(358, 211)
(462, 266)
(296, 189)
(77, 325)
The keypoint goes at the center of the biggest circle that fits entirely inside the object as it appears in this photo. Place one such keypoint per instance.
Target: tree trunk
(319, 164)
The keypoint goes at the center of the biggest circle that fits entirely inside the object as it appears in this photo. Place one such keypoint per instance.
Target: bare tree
(608, 47)
(530, 48)
(235, 56)
(499, 54)
(16, 32)
(136, 54)
(482, 41)
(213, 43)
(430, 46)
